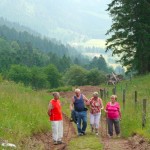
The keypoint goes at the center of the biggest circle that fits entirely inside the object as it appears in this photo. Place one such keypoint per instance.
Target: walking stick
(106, 123)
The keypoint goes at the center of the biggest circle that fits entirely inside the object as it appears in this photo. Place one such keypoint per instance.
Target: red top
(56, 113)
(95, 105)
(113, 110)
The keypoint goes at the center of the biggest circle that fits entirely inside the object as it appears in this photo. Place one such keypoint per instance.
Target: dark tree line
(38, 42)
(20, 61)
(130, 33)
(25, 54)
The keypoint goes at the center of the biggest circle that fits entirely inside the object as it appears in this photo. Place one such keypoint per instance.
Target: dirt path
(44, 140)
(135, 142)
(109, 144)
(113, 143)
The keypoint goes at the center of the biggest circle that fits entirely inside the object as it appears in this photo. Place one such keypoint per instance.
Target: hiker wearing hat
(96, 105)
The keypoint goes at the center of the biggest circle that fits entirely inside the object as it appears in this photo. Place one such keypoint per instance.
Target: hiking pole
(106, 123)
(69, 123)
(101, 129)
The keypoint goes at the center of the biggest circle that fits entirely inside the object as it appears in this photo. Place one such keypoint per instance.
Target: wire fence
(104, 94)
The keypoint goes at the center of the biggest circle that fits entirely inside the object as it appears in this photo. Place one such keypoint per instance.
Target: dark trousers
(116, 124)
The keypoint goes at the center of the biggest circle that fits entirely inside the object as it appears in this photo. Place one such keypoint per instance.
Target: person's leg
(110, 126)
(60, 130)
(79, 116)
(117, 126)
(84, 121)
(92, 122)
(97, 120)
(55, 131)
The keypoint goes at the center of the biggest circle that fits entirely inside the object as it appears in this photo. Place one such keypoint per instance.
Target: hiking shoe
(80, 134)
(55, 143)
(109, 136)
(96, 133)
(118, 136)
(60, 142)
(83, 133)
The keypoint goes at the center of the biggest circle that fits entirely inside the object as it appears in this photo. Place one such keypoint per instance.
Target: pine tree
(130, 33)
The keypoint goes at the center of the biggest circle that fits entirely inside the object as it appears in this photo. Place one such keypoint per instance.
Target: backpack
(73, 116)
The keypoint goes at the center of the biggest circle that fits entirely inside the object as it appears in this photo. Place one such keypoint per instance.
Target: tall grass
(132, 113)
(22, 112)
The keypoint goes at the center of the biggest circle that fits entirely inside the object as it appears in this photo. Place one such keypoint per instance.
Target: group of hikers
(79, 106)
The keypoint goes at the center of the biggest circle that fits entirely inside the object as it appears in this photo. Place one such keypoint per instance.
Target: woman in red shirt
(55, 116)
(113, 116)
(96, 105)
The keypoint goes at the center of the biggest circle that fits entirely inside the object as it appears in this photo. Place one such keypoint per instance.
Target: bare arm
(50, 107)
(102, 106)
(72, 104)
(120, 113)
(106, 109)
(86, 101)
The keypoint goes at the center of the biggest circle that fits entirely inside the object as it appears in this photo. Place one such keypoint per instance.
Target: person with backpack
(95, 104)
(55, 116)
(77, 105)
(113, 116)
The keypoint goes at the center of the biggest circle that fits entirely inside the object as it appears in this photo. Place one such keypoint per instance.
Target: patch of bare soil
(86, 90)
(139, 143)
(43, 141)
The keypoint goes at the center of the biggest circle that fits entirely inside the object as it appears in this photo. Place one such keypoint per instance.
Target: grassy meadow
(23, 112)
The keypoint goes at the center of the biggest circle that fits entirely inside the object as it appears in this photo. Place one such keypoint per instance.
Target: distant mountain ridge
(17, 26)
(67, 20)
(43, 44)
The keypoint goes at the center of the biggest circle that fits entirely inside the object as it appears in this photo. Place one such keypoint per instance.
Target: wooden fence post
(107, 94)
(135, 97)
(104, 93)
(124, 98)
(126, 85)
(144, 113)
(101, 93)
(114, 90)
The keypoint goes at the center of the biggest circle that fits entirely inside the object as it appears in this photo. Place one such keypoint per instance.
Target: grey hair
(95, 94)
(77, 90)
(56, 94)
(114, 96)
